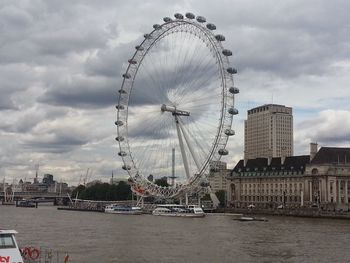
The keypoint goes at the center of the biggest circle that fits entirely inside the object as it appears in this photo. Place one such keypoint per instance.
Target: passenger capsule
(223, 152)
(227, 52)
(119, 107)
(233, 90)
(167, 19)
(147, 36)
(126, 167)
(119, 123)
(157, 26)
(179, 16)
(139, 48)
(233, 111)
(220, 38)
(231, 70)
(211, 26)
(229, 132)
(126, 76)
(122, 91)
(119, 138)
(201, 19)
(190, 15)
(122, 153)
(132, 61)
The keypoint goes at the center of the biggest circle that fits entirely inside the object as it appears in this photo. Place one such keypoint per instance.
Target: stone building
(268, 132)
(321, 179)
(327, 178)
(268, 183)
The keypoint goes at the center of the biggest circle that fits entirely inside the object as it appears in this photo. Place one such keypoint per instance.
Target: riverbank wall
(312, 213)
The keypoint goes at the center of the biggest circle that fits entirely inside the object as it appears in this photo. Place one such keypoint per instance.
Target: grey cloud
(82, 93)
(54, 142)
(31, 118)
(331, 127)
(108, 62)
(6, 103)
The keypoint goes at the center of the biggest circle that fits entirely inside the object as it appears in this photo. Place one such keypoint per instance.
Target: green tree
(162, 182)
(104, 192)
(78, 190)
(221, 195)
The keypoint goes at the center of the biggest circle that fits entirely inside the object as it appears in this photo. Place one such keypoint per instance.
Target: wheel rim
(157, 75)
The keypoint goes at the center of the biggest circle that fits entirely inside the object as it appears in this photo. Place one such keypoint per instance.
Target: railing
(44, 255)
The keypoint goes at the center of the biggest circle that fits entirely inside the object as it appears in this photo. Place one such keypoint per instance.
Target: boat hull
(179, 215)
(124, 212)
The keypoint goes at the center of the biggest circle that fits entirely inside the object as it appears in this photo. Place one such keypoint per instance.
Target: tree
(221, 195)
(104, 192)
(78, 191)
(162, 182)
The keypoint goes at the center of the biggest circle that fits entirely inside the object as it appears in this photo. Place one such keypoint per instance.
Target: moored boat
(123, 209)
(10, 252)
(174, 210)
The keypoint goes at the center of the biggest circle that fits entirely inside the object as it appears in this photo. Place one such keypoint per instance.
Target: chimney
(269, 159)
(283, 158)
(313, 150)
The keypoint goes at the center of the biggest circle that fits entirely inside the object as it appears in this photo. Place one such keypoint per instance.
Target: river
(98, 237)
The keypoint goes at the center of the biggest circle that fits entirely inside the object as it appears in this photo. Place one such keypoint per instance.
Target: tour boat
(9, 250)
(178, 210)
(123, 209)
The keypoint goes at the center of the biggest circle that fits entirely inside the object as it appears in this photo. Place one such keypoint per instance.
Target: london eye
(175, 106)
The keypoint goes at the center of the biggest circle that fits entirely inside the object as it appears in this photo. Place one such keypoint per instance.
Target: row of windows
(268, 192)
(271, 174)
(272, 198)
(271, 185)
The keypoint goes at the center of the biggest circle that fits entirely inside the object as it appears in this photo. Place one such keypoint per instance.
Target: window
(331, 188)
(6, 241)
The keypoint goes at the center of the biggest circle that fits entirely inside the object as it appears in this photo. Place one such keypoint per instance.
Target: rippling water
(97, 237)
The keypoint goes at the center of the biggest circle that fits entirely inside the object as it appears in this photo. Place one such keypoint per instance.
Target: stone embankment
(304, 212)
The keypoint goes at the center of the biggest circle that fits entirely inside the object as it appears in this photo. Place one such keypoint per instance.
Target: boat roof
(172, 205)
(12, 232)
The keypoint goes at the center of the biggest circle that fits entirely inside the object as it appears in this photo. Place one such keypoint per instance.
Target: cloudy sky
(61, 64)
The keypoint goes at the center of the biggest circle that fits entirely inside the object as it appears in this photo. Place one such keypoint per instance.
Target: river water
(98, 237)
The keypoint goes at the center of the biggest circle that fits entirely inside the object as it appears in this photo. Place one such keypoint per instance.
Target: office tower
(268, 132)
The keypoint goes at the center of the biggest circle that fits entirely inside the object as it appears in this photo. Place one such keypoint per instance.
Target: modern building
(321, 179)
(268, 132)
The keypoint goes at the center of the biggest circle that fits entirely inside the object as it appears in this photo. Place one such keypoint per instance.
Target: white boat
(9, 250)
(123, 209)
(175, 210)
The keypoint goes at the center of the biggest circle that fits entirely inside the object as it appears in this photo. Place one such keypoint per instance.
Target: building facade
(321, 179)
(268, 183)
(218, 176)
(268, 132)
(327, 178)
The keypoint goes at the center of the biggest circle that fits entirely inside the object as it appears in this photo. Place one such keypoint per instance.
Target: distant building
(48, 179)
(218, 176)
(268, 132)
(321, 179)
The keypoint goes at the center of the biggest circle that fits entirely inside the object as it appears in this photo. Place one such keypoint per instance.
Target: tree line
(108, 192)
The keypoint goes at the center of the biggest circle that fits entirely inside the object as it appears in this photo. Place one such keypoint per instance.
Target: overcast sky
(61, 62)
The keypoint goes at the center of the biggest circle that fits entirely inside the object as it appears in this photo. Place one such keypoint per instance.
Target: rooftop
(331, 155)
(291, 163)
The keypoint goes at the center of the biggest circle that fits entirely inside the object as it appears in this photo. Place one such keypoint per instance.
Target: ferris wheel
(175, 106)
